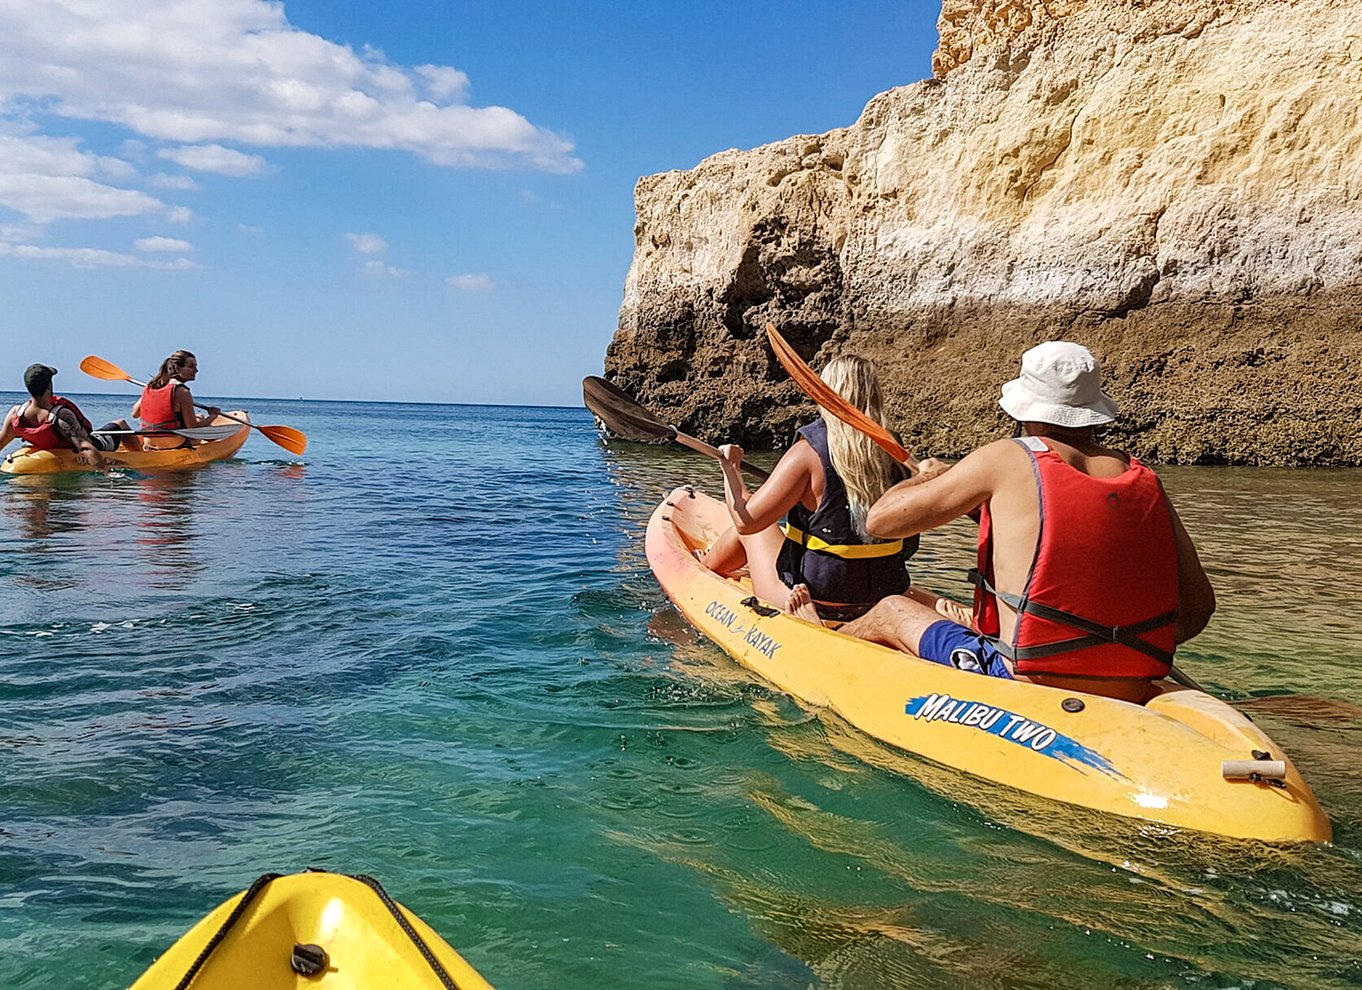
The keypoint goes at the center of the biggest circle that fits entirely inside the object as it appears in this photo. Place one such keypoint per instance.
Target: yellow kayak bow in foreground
(315, 929)
(1185, 759)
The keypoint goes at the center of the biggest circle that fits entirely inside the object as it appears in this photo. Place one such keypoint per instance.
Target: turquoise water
(431, 650)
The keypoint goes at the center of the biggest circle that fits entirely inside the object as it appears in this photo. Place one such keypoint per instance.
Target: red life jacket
(158, 411)
(1101, 595)
(44, 436)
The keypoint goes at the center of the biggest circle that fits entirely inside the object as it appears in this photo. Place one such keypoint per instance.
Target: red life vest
(1101, 596)
(158, 409)
(44, 436)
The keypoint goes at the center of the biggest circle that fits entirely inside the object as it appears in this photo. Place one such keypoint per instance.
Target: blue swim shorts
(953, 645)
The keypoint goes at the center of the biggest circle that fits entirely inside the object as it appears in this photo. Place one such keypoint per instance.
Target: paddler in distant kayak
(1086, 578)
(52, 422)
(823, 563)
(167, 404)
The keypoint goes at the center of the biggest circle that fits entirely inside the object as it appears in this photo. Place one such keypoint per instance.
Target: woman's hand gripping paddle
(820, 392)
(623, 416)
(294, 441)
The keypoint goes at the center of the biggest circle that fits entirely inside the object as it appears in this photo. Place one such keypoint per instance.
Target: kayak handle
(1255, 770)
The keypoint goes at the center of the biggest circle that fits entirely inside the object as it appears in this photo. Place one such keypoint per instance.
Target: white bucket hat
(1060, 384)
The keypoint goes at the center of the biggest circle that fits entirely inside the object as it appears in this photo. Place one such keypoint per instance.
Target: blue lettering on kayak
(1016, 729)
(752, 636)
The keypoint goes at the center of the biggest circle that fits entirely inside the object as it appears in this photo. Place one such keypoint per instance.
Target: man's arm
(69, 429)
(937, 495)
(7, 430)
(1196, 597)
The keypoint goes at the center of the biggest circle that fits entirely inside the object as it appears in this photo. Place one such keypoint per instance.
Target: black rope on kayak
(407, 928)
(261, 882)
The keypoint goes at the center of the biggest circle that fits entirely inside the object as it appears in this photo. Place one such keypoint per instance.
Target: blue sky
(411, 200)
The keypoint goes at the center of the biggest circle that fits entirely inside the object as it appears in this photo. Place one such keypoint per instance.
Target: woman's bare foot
(800, 604)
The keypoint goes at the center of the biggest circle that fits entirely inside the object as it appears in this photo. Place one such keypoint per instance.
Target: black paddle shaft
(620, 413)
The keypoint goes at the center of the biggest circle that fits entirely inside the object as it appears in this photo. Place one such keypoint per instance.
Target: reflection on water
(167, 504)
(41, 506)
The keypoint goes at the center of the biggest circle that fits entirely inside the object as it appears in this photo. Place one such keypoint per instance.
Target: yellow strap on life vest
(847, 551)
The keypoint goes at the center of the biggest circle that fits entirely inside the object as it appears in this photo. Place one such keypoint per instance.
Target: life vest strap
(1097, 634)
(847, 551)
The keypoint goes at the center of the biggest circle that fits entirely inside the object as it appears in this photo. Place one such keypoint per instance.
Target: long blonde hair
(865, 469)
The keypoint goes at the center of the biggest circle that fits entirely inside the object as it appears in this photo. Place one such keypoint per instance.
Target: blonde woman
(822, 564)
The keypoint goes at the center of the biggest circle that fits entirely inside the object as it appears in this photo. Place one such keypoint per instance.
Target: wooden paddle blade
(294, 441)
(97, 367)
(818, 390)
(621, 414)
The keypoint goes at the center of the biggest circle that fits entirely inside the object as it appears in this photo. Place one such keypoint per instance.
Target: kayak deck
(1162, 762)
(351, 932)
(26, 460)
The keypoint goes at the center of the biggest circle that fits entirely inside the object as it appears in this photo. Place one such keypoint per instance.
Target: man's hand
(930, 467)
(90, 454)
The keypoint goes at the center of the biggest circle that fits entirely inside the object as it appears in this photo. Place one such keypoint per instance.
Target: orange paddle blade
(97, 367)
(294, 441)
(819, 391)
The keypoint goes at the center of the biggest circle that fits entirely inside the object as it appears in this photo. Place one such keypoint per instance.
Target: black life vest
(822, 549)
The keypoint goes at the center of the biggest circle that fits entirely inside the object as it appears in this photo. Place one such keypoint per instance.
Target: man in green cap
(50, 422)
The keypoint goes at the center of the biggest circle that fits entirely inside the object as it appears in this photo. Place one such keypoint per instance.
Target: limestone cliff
(1176, 183)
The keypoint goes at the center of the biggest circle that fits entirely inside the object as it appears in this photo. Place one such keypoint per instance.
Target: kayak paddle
(624, 417)
(294, 441)
(219, 432)
(820, 392)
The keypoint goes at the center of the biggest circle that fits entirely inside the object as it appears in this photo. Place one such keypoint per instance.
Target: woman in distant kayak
(167, 404)
(822, 564)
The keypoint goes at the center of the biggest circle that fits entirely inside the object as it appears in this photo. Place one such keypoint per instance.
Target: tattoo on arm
(70, 430)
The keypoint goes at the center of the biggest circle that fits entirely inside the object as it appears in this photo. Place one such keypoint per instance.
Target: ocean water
(431, 650)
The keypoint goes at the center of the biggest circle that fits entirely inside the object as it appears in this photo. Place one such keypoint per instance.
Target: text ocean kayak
(26, 460)
(1185, 759)
(314, 929)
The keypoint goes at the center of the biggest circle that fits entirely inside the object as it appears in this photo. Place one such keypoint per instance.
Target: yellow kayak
(26, 460)
(314, 929)
(1184, 759)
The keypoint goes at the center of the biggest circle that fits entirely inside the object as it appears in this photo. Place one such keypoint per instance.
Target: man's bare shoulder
(997, 455)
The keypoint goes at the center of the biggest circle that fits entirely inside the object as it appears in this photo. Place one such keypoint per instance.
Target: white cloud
(443, 83)
(12, 232)
(471, 283)
(235, 71)
(179, 214)
(47, 178)
(90, 257)
(247, 228)
(368, 243)
(180, 182)
(162, 244)
(379, 268)
(216, 158)
(44, 198)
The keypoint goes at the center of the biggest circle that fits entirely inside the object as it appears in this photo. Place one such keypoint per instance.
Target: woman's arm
(184, 409)
(789, 481)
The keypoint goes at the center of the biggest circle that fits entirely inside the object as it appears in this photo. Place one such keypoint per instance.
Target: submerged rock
(1175, 183)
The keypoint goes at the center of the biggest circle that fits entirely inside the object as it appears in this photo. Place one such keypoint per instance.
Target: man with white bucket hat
(1086, 578)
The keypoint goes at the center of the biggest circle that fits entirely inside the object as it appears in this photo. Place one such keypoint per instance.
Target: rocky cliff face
(1175, 183)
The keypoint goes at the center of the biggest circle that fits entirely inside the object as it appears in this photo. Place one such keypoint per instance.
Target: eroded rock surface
(1175, 183)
